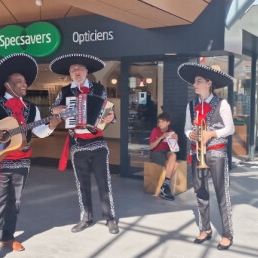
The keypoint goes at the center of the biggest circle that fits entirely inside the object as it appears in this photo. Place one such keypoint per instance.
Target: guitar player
(88, 150)
(18, 72)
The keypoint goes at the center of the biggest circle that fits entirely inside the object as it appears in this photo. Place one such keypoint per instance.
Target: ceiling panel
(139, 13)
(186, 9)
(73, 11)
(27, 10)
(153, 15)
(161, 19)
(6, 18)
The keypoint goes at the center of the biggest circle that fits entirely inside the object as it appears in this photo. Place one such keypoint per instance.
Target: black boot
(82, 225)
(112, 227)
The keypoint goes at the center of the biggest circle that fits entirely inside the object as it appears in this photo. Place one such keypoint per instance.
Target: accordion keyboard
(71, 104)
(91, 110)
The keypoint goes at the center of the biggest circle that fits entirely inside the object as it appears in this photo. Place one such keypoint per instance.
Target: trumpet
(200, 147)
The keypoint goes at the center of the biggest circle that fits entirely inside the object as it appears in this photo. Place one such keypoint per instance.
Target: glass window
(143, 103)
(241, 106)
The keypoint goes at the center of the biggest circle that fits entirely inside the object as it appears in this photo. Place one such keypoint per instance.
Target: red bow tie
(84, 89)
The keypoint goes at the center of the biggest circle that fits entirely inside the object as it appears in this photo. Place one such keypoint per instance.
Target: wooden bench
(154, 176)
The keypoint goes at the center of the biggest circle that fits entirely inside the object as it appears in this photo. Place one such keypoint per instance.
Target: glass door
(142, 113)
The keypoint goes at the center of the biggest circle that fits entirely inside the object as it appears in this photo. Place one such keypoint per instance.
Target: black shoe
(165, 193)
(82, 225)
(207, 237)
(112, 227)
(225, 247)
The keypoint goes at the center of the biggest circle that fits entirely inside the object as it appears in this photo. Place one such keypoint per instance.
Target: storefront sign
(89, 36)
(38, 39)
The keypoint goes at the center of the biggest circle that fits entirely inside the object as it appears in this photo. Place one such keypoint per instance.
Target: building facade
(141, 73)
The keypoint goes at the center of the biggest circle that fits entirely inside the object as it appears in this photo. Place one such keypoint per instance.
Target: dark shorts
(159, 157)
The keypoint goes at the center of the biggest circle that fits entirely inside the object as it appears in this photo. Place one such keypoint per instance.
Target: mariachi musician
(208, 124)
(88, 150)
(17, 73)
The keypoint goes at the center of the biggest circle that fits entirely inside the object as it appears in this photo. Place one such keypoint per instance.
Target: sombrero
(188, 72)
(17, 63)
(61, 65)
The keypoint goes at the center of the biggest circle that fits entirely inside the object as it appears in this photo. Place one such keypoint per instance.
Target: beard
(79, 81)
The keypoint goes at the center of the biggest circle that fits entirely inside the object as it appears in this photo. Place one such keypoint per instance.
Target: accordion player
(91, 110)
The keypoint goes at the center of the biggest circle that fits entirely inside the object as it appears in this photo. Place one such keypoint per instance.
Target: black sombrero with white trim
(18, 63)
(188, 71)
(61, 65)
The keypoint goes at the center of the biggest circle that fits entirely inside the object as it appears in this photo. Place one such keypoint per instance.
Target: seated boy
(161, 154)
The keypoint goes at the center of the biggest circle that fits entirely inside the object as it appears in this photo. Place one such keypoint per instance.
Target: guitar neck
(22, 129)
(29, 126)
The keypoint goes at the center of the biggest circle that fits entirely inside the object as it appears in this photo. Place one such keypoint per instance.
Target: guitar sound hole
(6, 137)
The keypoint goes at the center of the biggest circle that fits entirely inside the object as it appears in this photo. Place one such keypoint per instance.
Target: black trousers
(217, 161)
(87, 156)
(13, 177)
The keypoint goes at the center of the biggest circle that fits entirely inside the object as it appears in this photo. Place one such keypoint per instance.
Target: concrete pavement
(149, 226)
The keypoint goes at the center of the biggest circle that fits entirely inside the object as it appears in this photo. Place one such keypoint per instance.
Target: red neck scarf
(16, 105)
(202, 110)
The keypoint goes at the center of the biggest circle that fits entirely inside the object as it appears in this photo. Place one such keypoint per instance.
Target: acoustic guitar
(13, 139)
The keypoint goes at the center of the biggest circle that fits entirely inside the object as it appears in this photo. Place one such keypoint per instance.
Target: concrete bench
(154, 176)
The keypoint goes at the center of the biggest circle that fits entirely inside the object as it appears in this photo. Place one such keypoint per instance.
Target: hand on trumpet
(206, 136)
(193, 136)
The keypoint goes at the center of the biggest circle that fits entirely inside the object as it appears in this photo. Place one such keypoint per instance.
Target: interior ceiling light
(38, 2)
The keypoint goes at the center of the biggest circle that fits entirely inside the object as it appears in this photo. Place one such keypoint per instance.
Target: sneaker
(165, 193)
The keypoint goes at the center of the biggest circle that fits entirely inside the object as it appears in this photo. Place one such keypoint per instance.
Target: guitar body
(15, 139)
(15, 142)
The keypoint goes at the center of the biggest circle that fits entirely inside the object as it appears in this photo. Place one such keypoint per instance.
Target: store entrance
(142, 112)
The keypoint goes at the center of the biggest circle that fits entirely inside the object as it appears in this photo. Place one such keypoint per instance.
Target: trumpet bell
(202, 163)
(203, 166)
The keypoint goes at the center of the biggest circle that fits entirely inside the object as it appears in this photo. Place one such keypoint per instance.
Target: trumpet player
(208, 124)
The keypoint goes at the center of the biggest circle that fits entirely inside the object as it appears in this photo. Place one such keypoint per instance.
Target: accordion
(91, 110)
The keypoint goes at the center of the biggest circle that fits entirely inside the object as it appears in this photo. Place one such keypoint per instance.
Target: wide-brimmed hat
(17, 63)
(188, 71)
(61, 65)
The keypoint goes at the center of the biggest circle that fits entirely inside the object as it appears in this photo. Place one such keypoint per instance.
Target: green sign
(38, 39)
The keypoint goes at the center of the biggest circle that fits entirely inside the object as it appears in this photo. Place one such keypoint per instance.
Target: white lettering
(89, 36)
(75, 37)
(48, 37)
(24, 40)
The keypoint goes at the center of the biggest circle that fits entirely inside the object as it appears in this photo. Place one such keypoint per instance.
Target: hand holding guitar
(53, 122)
